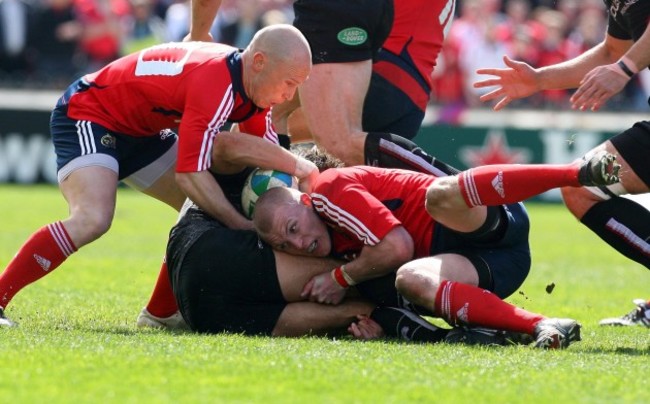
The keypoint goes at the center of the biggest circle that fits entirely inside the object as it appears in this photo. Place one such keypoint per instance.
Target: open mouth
(312, 247)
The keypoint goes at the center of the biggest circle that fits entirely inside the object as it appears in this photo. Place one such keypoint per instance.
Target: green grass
(77, 341)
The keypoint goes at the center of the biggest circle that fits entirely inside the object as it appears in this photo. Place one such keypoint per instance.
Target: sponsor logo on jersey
(352, 36)
(43, 262)
(108, 141)
(497, 184)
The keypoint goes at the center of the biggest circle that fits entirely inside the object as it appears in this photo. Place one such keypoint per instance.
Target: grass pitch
(77, 341)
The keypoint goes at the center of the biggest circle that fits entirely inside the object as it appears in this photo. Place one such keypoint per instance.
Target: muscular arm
(569, 74)
(203, 14)
(232, 151)
(520, 80)
(203, 189)
(395, 249)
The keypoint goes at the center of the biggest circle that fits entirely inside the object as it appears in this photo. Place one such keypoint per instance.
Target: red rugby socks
(459, 303)
(509, 183)
(41, 254)
(162, 302)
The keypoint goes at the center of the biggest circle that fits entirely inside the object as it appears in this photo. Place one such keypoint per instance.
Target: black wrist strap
(625, 69)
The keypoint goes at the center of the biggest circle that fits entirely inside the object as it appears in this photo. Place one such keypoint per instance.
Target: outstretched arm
(517, 80)
(520, 80)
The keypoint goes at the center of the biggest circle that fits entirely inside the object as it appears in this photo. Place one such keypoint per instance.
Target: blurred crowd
(48, 43)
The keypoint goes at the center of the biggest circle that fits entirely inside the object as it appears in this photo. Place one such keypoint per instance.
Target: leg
(445, 285)
(161, 310)
(298, 129)
(620, 222)
(510, 183)
(90, 193)
(282, 113)
(333, 112)
(333, 107)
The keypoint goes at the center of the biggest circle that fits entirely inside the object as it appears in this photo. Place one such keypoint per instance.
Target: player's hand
(366, 328)
(518, 80)
(598, 86)
(306, 172)
(323, 289)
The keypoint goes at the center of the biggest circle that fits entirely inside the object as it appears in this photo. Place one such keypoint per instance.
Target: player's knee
(409, 284)
(439, 196)
(92, 224)
(577, 200)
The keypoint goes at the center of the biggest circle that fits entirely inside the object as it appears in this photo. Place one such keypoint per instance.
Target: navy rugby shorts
(73, 138)
(502, 265)
(634, 146)
(343, 30)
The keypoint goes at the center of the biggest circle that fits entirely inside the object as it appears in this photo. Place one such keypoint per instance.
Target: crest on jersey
(352, 36)
(108, 141)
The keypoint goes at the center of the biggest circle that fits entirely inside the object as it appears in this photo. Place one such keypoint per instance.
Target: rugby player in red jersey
(460, 243)
(114, 125)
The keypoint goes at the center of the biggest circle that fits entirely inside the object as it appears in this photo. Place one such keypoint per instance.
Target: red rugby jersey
(413, 44)
(362, 204)
(194, 87)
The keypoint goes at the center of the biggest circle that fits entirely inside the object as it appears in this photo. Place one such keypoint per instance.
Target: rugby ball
(258, 182)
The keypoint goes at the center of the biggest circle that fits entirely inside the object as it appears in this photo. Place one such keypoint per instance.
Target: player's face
(298, 230)
(277, 83)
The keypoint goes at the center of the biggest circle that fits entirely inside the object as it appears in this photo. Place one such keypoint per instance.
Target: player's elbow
(401, 246)
(226, 147)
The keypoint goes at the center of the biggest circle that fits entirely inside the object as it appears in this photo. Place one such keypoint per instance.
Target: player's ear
(305, 199)
(259, 60)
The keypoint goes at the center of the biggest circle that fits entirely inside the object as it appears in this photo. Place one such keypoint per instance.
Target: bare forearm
(639, 52)
(204, 191)
(569, 74)
(307, 318)
(395, 249)
(245, 150)
(203, 14)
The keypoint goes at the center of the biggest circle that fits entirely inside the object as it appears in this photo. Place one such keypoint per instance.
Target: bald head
(282, 43)
(286, 219)
(276, 62)
(269, 203)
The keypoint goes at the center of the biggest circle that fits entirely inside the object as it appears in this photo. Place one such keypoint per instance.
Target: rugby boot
(556, 333)
(601, 169)
(639, 316)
